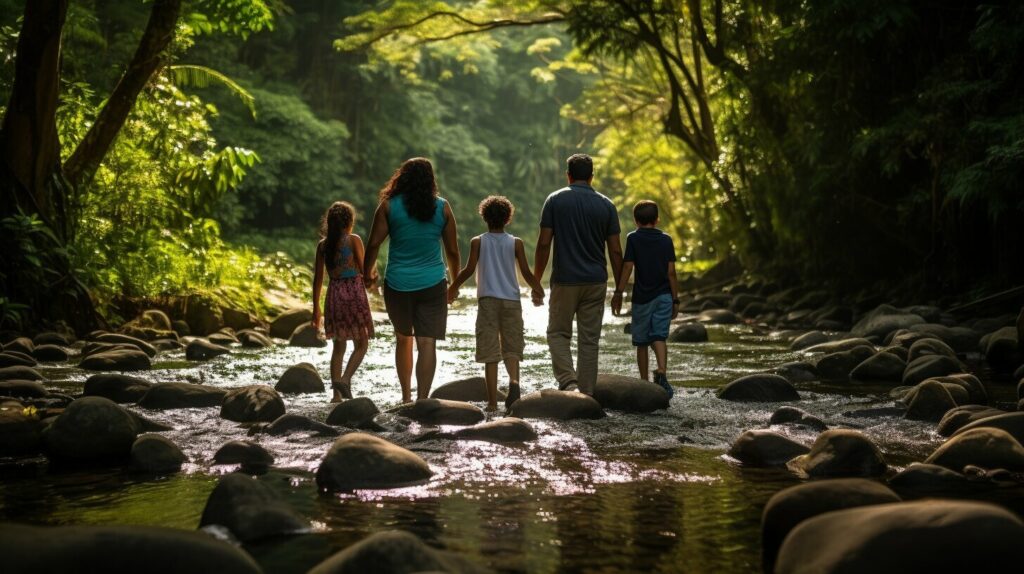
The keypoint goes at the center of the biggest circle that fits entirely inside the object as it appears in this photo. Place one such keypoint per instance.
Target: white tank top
(496, 268)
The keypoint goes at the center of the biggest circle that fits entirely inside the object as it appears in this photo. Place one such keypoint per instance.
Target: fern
(201, 77)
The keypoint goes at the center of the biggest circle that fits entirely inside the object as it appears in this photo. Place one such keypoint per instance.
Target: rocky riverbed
(632, 486)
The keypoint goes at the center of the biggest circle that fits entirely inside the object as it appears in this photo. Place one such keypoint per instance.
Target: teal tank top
(414, 253)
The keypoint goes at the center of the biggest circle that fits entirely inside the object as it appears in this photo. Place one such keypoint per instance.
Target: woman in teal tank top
(419, 224)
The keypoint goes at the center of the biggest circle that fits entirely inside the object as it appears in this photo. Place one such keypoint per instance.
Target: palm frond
(201, 77)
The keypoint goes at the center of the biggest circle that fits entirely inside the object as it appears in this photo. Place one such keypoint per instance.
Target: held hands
(617, 303)
(453, 294)
(675, 311)
(537, 295)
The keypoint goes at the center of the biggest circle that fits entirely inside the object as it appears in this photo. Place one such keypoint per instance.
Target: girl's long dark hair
(414, 181)
(337, 221)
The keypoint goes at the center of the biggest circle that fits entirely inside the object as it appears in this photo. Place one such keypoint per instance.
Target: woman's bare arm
(450, 238)
(378, 233)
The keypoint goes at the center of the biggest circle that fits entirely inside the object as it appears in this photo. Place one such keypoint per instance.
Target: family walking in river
(578, 226)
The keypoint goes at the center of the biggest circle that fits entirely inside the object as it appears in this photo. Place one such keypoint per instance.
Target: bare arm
(450, 238)
(524, 268)
(543, 251)
(470, 268)
(318, 283)
(620, 286)
(615, 254)
(674, 282)
(378, 233)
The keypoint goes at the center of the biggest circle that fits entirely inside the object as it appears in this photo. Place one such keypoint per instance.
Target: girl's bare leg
(403, 363)
(337, 359)
(355, 360)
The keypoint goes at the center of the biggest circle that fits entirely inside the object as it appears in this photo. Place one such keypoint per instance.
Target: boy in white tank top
(499, 319)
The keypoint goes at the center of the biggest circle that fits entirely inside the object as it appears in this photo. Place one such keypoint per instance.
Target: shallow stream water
(623, 494)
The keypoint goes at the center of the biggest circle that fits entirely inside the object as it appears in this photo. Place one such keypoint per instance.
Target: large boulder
(789, 507)
(883, 320)
(22, 389)
(718, 317)
(976, 392)
(956, 419)
(929, 346)
(358, 460)
(155, 319)
(841, 452)
(1012, 423)
(285, 324)
(51, 338)
(920, 479)
(763, 387)
(928, 366)
(16, 359)
(809, 339)
(306, 335)
(1001, 350)
(503, 430)
(203, 350)
(22, 345)
(838, 366)
(689, 333)
(108, 548)
(250, 510)
(300, 378)
(203, 316)
(561, 405)
(469, 389)
(929, 401)
(988, 448)
(253, 403)
(881, 366)
(394, 552)
(119, 360)
(629, 394)
(120, 339)
(221, 338)
(19, 434)
(237, 319)
(357, 413)
(797, 371)
(247, 454)
(49, 354)
(961, 339)
(441, 412)
(181, 396)
(156, 454)
(116, 387)
(92, 428)
(920, 536)
(254, 340)
(20, 373)
(789, 415)
(765, 448)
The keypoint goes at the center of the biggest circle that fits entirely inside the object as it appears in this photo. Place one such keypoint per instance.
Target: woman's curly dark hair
(337, 221)
(497, 211)
(414, 181)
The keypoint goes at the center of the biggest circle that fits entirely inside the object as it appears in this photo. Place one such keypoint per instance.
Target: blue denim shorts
(651, 320)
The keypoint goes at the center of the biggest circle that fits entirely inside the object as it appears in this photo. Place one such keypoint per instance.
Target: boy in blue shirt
(655, 293)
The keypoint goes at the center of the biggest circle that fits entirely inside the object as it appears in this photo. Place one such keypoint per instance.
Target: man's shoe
(661, 380)
(569, 386)
(512, 396)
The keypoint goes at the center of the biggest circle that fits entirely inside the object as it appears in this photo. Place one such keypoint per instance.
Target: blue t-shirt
(581, 220)
(650, 251)
(414, 253)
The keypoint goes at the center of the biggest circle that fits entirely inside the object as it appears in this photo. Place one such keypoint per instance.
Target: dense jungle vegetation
(179, 147)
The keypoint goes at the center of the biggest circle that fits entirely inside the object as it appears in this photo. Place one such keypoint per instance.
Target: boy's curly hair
(497, 211)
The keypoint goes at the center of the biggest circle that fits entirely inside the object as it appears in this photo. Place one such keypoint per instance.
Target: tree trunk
(149, 57)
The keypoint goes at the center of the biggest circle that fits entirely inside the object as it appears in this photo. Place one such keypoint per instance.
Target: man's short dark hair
(580, 167)
(645, 212)
(497, 211)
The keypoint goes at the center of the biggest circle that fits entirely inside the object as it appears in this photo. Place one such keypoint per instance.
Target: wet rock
(763, 387)
(151, 549)
(1001, 351)
(181, 396)
(51, 338)
(689, 333)
(22, 345)
(928, 366)
(718, 317)
(289, 423)
(929, 401)
(469, 389)
(250, 510)
(956, 419)
(928, 346)
(394, 552)
(156, 454)
(306, 335)
(166, 345)
(357, 413)
(92, 428)
(629, 394)
(16, 359)
(838, 366)
(254, 340)
(788, 508)
(503, 430)
(883, 320)
(285, 324)
(253, 403)
(797, 372)
(50, 354)
(960, 339)
(19, 434)
(247, 454)
(22, 389)
(120, 360)
(561, 405)
(116, 387)
(237, 319)
(902, 352)
(881, 366)
(358, 460)
(203, 350)
(907, 337)
(841, 452)
(984, 447)
(441, 412)
(792, 415)
(765, 448)
(203, 316)
(975, 536)
(1012, 423)
(924, 479)
(93, 348)
(300, 378)
(155, 319)
(808, 339)
(839, 346)
(181, 328)
(976, 392)
(119, 339)
(222, 339)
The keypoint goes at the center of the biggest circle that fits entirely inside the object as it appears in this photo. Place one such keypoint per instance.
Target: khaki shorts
(499, 330)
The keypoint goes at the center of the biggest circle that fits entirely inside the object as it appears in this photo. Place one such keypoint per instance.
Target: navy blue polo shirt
(581, 220)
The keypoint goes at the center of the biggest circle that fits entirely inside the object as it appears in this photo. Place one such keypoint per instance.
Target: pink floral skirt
(347, 310)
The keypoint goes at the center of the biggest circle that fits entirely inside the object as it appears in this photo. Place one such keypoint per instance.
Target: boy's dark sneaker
(512, 396)
(661, 380)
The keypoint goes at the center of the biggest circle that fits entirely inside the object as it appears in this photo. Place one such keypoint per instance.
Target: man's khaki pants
(585, 304)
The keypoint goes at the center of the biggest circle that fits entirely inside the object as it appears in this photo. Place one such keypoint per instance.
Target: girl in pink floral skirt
(346, 310)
